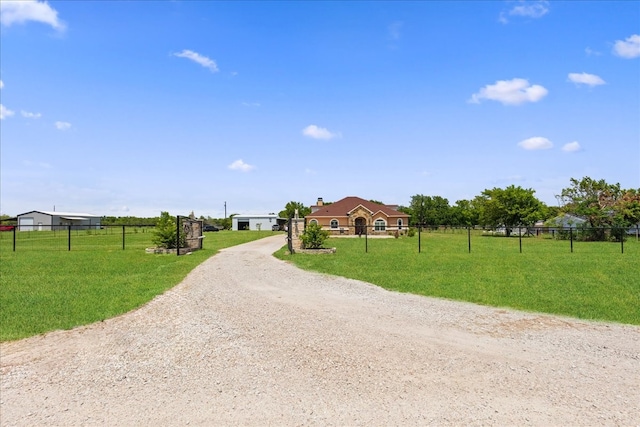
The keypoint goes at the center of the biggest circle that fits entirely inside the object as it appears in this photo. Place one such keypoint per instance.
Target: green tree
(290, 209)
(627, 208)
(165, 233)
(313, 236)
(464, 213)
(603, 205)
(428, 210)
(417, 210)
(593, 200)
(511, 207)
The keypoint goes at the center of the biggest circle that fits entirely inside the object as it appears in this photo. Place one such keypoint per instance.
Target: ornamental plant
(313, 236)
(165, 234)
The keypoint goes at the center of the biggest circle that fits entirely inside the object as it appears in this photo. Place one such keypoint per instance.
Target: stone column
(297, 228)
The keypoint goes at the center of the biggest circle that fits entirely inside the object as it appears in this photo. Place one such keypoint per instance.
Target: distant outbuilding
(254, 222)
(47, 220)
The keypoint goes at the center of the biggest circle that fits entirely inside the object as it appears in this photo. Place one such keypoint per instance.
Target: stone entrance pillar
(296, 229)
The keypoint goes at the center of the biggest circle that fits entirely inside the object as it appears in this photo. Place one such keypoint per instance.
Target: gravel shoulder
(247, 339)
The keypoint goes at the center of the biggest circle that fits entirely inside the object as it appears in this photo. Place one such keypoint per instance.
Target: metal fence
(76, 237)
(572, 235)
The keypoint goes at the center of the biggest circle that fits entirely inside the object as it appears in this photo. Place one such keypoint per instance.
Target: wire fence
(517, 238)
(76, 237)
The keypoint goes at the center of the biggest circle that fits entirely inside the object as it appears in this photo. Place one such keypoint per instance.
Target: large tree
(464, 213)
(510, 207)
(603, 205)
(591, 199)
(290, 210)
(427, 210)
(627, 208)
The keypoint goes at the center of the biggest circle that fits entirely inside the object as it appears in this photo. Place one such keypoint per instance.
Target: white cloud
(19, 12)
(629, 48)
(586, 79)
(529, 9)
(510, 92)
(42, 165)
(251, 104)
(395, 29)
(30, 115)
(1, 84)
(315, 132)
(199, 59)
(63, 125)
(591, 52)
(241, 166)
(535, 143)
(5, 112)
(571, 147)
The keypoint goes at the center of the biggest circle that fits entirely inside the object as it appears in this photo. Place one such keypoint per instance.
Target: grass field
(45, 287)
(595, 282)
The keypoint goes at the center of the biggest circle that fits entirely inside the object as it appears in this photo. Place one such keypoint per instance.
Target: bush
(165, 234)
(313, 236)
(411, 232)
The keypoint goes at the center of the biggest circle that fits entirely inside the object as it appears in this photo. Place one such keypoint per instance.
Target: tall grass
(44, 289)
(595, 282)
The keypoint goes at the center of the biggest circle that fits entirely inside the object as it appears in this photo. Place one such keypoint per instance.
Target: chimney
(319, 202)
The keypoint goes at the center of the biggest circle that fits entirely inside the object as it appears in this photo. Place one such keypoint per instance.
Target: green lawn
(596, 281)
(45, 287)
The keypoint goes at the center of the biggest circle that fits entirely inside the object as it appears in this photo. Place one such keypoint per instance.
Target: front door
(361, 226)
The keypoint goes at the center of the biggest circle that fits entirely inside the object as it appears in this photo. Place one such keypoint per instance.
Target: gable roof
(63, 214)
(347, 205)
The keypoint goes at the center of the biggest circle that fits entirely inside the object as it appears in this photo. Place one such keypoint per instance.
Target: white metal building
(254, 222)
(47, 221)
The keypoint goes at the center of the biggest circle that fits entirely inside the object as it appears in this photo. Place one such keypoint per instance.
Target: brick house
(353, 215)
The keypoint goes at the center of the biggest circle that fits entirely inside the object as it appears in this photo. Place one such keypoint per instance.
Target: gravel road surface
(247, 339)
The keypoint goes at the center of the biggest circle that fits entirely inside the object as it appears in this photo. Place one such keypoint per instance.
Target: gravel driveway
(247, 339)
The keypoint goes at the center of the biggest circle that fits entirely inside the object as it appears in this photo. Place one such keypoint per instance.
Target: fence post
(289, 235)
(419, 229)
(366, 241)
(520, 237)
(69, 237)
(14, 238)
(123, 237)
(178, 235)
(469, 237)
(622, 243)
(571, 237)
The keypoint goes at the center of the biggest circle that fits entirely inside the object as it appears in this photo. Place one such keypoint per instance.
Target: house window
(313, 221)
(379, 225)
(399, 223)
(334, 223)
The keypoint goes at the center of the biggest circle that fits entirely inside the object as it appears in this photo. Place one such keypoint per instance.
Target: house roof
(345, 206)
(68, 215)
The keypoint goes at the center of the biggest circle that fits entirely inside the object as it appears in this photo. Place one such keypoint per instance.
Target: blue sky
(132, 108)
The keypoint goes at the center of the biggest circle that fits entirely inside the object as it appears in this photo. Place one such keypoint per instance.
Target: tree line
(600, 204)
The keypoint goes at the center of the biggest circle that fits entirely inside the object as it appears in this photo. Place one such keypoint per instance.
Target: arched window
(399, 223)
(313, 221)
(334, 223)
(380, 225)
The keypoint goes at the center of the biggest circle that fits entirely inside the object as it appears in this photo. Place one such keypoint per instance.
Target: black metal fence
(76, 237)
(572, 235)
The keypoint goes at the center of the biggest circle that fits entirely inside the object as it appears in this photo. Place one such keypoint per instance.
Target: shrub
(411, 232)
(165, 235)
(313, 236)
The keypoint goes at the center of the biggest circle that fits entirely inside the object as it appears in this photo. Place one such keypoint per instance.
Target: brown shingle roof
(346, 205)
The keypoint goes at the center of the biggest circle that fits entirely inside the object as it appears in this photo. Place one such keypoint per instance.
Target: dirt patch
(247, 339)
